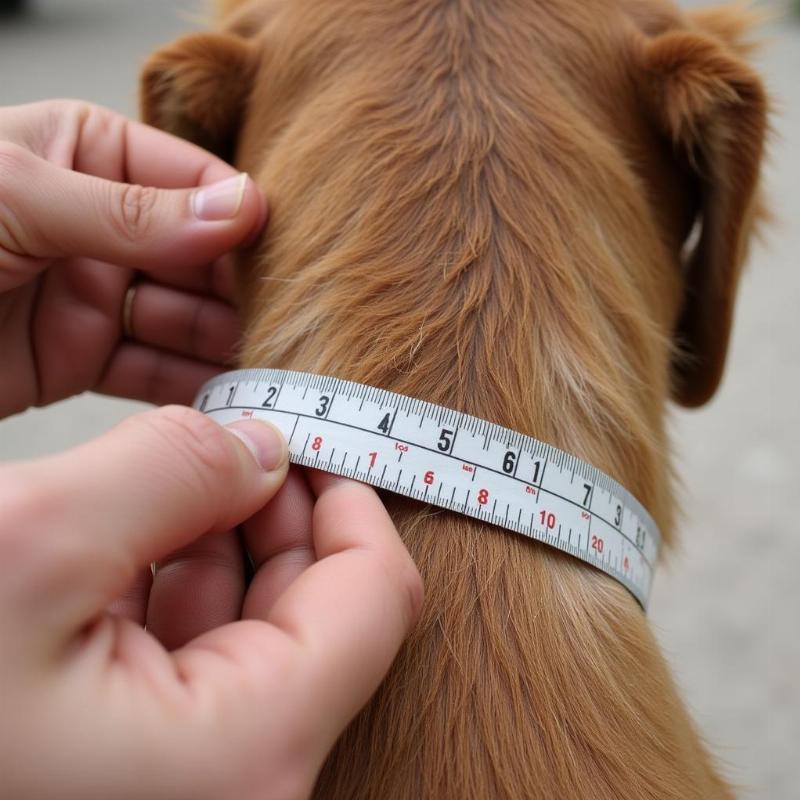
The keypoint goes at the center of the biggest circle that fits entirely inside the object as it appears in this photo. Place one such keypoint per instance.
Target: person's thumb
(49, 212)
(94, 516)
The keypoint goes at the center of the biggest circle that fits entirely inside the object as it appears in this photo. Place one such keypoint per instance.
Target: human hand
(260, 683)
(86, 198)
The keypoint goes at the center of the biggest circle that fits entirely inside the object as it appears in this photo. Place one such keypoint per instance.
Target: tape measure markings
(550, 455)
(613, 512)
(211, 411)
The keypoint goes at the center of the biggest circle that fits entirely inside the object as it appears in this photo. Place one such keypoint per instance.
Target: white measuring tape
(451, 460)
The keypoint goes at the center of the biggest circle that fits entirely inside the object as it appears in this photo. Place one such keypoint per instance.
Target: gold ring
(127, 312)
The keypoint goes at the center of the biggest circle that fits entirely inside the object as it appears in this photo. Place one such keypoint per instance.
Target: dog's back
(485, 205)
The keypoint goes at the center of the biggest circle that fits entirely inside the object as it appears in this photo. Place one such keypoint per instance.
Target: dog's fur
(487, 205)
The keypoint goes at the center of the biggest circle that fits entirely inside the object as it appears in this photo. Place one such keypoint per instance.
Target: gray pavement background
(726, 608)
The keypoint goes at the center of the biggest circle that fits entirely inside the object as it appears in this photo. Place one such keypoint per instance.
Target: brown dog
(536, 213)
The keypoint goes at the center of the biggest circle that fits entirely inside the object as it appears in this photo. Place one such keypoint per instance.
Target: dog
(536, 213)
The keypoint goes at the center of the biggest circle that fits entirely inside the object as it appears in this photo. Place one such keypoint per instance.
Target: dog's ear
(197, 89)
(713, 107)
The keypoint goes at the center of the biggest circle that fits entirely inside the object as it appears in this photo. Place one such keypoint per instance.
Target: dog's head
(671, 92)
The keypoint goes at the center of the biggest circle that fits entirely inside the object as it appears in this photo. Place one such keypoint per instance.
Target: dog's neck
(511, 272)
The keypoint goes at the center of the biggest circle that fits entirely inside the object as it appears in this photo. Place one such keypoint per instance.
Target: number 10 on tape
(450, 459)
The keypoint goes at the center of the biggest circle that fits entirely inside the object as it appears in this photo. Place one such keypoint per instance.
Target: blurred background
(726, 608)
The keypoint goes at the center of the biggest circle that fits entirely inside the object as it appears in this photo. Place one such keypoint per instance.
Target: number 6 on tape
(451, 460)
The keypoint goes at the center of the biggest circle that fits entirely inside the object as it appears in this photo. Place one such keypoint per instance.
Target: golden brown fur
(484, 204)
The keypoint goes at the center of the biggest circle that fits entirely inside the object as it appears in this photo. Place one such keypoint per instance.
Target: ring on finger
(127, 311)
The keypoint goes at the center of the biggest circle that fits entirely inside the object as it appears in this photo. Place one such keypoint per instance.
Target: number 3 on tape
(450, 459)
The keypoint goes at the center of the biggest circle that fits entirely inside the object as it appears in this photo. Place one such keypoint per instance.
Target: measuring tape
(451, 460)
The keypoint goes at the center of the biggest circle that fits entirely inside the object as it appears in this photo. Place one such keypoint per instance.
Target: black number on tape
(445, 442)
(270, 401)
(324, 404)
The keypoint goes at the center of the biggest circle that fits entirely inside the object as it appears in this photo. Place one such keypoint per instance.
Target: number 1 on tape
(451, 460)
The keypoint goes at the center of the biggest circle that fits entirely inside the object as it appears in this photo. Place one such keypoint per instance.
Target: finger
(348, 613)
(280, 543)
(96, 515)
(217, 279)
(98, 141)
(76, 325)
(154, 376)
(132, 604)
(50, 212)
(192, 325)
(196, 589)
(139, 153)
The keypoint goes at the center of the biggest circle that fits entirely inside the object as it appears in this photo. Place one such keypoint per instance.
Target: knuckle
(133, 210)
(14, 167)
(64, 114)
(14, 163)
(198, 441)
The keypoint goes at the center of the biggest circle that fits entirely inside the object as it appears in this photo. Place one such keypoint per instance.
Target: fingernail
(263, 440)
(220, 201)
